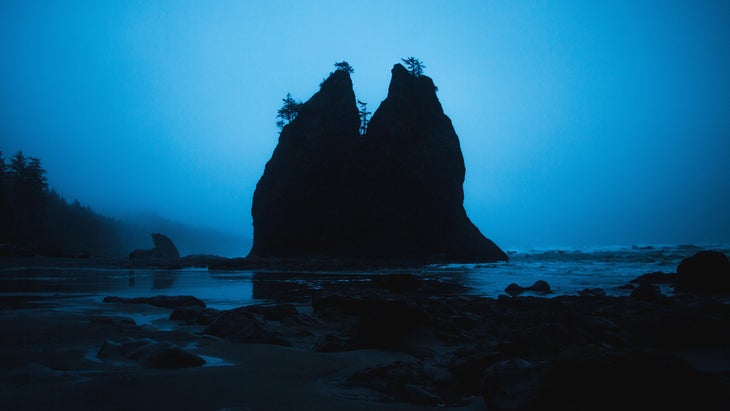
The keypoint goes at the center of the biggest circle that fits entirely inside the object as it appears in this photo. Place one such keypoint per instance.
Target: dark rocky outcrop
(626, 380)
(194, 314)
(394, 194)
(164, 301)
(149, 353)
(647, 292)
(242, 326)
(705, 272)
(656, 277)
(164, 253)
(400, 381)
(115, 320)
(539, 287)
(593, 292)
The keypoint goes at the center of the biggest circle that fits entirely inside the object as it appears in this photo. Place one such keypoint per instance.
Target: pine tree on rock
(288, 112)
(344, 66)
(415, 66)
(364, 113)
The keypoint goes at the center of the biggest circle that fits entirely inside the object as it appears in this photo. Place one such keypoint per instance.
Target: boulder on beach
(241, 325)
(593, 292)
(539, 287)
(380, 322)
(398, 381)
(647, 292)
(194, 314)
(149, 353)
(164, 301)
(706, 272)
(618, 380)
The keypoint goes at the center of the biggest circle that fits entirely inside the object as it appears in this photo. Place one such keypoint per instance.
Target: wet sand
(393, 343)
(48, 362)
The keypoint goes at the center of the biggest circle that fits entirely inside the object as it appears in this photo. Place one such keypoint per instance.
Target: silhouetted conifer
(288, 111)
(414, 65)
(37, 220)
(344, 66)
(363, 112)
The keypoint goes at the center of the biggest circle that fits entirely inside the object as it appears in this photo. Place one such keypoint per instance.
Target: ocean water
(567, 271)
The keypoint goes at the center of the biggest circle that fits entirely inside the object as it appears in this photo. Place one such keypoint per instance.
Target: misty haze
(388, 205)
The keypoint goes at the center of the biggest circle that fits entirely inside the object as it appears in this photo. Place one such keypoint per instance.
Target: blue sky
(582, 123)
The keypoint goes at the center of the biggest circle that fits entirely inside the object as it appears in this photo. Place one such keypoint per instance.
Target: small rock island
(392, 192)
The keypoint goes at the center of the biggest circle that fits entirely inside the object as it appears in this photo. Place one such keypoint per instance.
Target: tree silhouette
(27, 190)
(363, 112)
(415, 66)
(5, 207)
(288, 111)
(28, 174)
(37, 220)
(344, 66)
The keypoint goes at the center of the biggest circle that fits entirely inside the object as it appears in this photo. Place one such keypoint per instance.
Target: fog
(581, 123)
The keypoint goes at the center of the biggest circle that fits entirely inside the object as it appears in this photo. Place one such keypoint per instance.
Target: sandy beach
(393, 342)
(49, 362)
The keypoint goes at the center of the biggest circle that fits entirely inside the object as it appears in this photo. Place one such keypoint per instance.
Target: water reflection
(301, 287)
(163, 279)
(282, 287)
(131, 279)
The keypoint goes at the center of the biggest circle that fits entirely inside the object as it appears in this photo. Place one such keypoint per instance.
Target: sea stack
(393, 194)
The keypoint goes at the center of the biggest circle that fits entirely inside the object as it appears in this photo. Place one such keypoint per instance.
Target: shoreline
(390, 339)
(396, 343)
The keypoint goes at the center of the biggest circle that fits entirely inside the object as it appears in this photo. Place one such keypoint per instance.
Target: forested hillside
(35, 219)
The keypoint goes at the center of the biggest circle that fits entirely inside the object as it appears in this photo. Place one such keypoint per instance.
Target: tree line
(36, 220)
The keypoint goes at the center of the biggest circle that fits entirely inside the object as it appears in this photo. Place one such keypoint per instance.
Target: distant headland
(341, 186)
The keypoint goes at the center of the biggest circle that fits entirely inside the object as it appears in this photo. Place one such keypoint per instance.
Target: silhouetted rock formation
(164, 252)
(393, 194)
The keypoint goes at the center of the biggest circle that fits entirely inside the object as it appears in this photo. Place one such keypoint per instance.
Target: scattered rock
(539, 287)
(647, 292)
(514, 289)
(380, 322)
(399, 381)
(280, 312)
(626, 287)
(655, 278)
(240, 325)
(112, 320)
(468, 370)
(627, 380)
(150, 353)
(705, 272)
(164, 301)
(386, 323)
(194, 314)
(334, 343)
(511, 385)
(593, 292)
(397, 283)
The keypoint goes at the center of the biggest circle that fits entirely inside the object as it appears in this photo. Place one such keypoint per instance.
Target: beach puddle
(211, 361)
